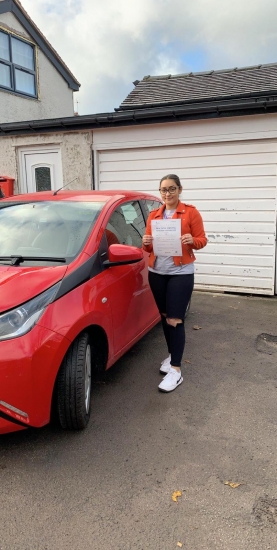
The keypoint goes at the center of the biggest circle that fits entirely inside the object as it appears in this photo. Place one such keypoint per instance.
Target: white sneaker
(165, 366)
(171, 380)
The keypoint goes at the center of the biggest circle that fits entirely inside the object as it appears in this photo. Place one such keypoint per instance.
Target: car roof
(78, 195)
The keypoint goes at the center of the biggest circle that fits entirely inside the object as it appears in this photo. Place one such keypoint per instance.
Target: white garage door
(233, 185)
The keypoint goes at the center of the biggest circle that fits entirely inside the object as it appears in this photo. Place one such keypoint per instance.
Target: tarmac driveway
(213, 440)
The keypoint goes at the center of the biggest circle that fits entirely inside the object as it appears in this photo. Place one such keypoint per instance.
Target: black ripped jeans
(172, 294)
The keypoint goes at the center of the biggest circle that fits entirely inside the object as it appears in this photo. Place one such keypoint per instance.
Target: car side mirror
(122, 254)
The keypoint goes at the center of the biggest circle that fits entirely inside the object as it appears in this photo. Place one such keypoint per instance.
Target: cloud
(108, 44)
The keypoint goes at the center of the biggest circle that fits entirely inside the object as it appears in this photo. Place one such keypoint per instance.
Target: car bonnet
(20, 284)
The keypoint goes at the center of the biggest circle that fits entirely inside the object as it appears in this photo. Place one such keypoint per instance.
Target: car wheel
(74, 385)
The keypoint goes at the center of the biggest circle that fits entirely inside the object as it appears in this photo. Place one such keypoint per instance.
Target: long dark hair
(172, 177)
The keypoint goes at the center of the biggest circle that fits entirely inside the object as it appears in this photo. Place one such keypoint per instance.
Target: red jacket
(191, 222)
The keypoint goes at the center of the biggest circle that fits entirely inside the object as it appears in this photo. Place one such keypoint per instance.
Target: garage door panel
(234, 270)
(187, 151)
(230, 183)
(129, 186)
(219, 194)
(237, 284)
(235, 216)
(237, 259)
(230, 205)
(241, 238)
(136, 177)
(240, 250)
(192, 173)
(174, 164)
(243, 227)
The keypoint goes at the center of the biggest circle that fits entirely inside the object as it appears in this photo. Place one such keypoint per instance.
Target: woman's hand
(147, 239)
(187, 239)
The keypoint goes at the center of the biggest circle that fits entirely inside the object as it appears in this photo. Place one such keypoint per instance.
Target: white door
(40, 170)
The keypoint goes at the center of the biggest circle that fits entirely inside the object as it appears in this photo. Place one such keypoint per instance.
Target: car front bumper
(28, 369)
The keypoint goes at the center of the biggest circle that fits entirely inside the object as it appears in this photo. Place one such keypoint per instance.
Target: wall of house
(55, 97)
(228, 168)
(76, 155)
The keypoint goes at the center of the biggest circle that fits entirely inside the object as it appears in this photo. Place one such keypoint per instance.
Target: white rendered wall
(55, 98)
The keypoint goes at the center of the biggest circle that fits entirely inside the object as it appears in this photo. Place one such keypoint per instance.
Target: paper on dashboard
(166, 237)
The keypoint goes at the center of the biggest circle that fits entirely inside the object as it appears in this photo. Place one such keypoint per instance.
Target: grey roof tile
(204, 86)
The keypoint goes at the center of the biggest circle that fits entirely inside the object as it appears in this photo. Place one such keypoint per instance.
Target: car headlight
(20, 320)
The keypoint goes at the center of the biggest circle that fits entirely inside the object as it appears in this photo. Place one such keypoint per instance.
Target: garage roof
(205, 86)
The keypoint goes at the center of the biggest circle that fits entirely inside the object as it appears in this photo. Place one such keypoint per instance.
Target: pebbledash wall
(228, 168)
(76, 156)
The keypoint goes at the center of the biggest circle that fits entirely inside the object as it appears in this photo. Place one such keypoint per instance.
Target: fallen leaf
(233, 307)
(196, 327)
(232, 484)
(179, 544)
(175, 495)
(186, 361)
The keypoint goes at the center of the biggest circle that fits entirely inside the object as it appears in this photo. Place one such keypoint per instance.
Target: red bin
(6, 185)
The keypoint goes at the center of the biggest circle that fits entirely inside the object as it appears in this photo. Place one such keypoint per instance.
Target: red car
(74, 297)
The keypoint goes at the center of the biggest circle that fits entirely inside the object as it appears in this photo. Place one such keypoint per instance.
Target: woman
(171, 278)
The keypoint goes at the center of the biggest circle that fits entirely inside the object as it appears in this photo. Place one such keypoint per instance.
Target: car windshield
(46, 229)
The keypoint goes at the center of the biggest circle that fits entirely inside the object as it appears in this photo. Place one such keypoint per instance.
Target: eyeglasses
(171, 190)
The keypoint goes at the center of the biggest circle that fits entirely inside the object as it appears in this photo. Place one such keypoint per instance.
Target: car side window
(150, 205)
(126, 225)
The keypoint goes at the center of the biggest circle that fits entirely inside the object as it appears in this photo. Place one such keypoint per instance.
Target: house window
(17, 65)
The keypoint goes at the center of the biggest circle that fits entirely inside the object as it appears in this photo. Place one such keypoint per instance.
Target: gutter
(243, 96)
(149, 115)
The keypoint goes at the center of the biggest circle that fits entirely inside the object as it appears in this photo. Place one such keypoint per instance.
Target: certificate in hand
(166, 237)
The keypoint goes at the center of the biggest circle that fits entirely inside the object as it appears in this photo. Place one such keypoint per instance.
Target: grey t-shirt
(164, 265)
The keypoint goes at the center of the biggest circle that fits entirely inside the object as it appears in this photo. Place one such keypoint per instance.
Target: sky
(108, 44)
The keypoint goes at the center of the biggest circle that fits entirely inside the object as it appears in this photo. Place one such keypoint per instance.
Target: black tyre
(74, 385)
